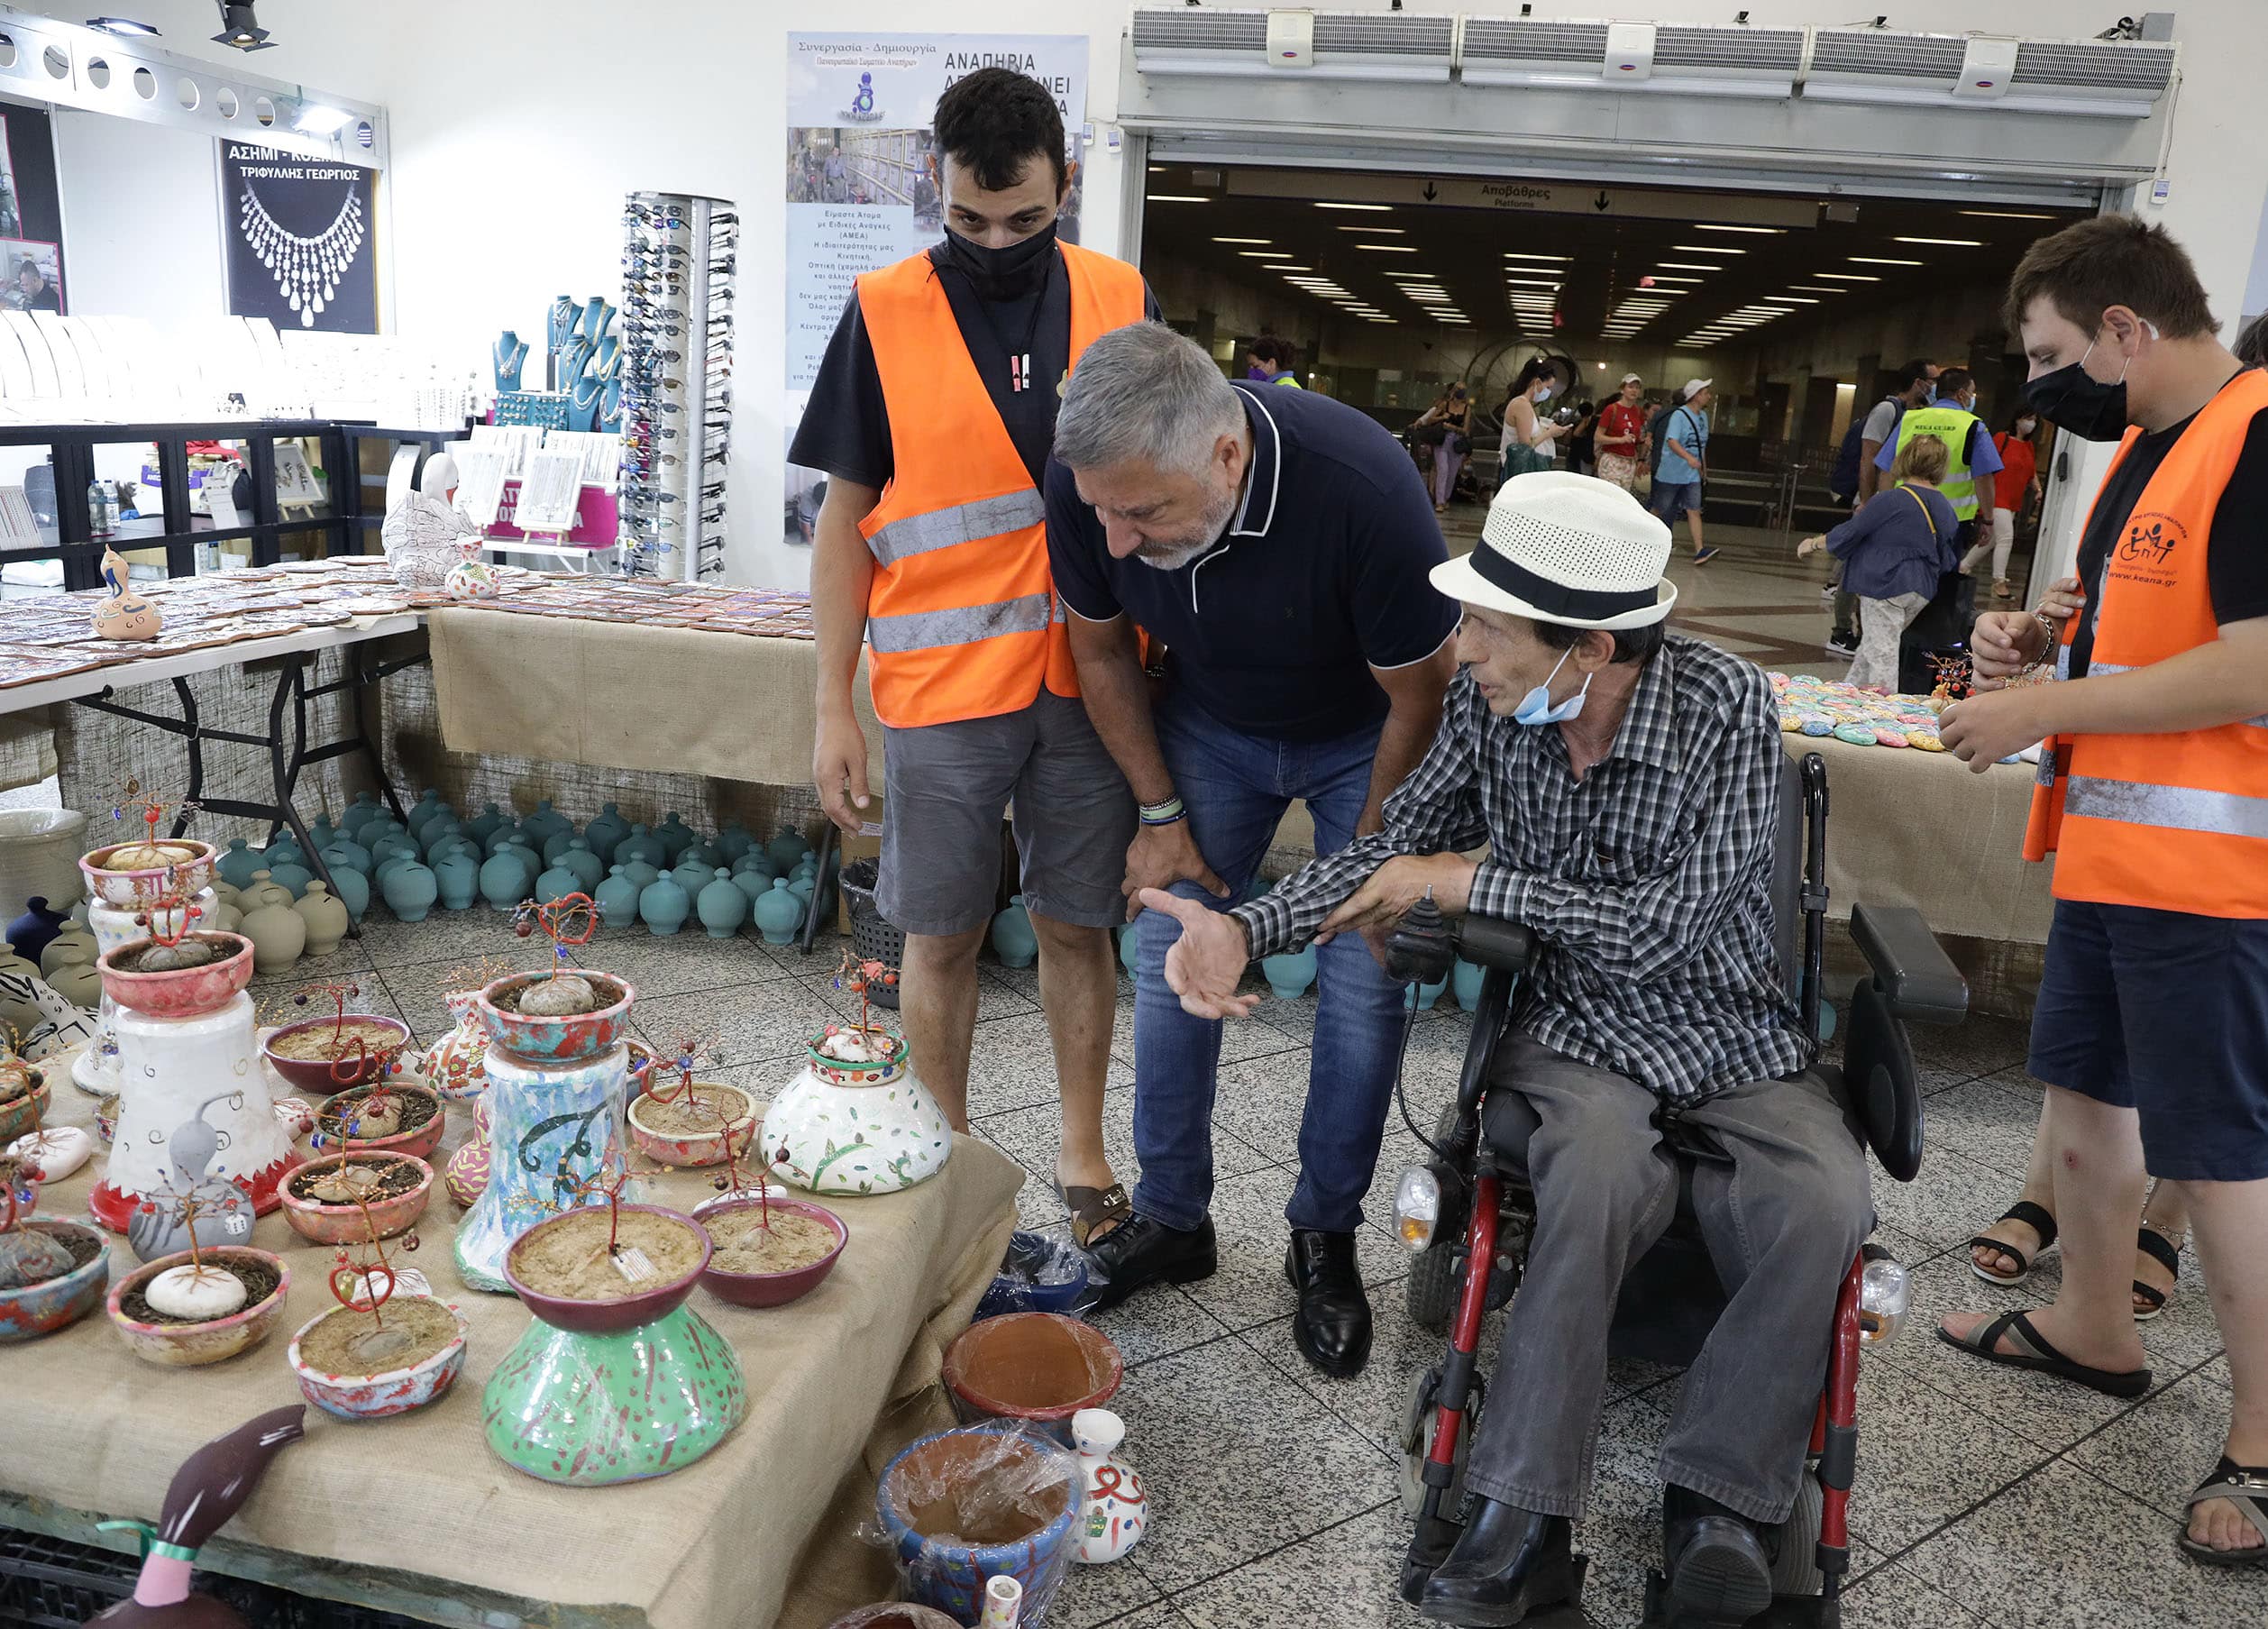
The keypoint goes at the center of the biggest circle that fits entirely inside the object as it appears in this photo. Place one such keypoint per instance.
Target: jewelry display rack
(677, 267)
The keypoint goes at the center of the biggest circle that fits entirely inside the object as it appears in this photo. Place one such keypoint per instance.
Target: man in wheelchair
(1628, 786)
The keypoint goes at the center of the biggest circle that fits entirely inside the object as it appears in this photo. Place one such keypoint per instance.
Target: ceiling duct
(1316, 45)
(2105, 78)
(1677, 57)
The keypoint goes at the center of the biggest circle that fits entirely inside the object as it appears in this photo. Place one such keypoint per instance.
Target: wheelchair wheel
(1420, 1418)
(1431, 1293)
(1796, 1569)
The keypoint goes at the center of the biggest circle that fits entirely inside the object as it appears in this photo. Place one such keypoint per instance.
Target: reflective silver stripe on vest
(2095, 669)
(962, 523)
(2062, 662)
(964, 625)
(2175, 808)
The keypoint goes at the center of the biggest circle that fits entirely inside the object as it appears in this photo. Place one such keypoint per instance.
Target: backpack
(1844, 481)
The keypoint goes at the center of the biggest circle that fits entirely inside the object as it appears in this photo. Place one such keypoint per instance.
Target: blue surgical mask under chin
(1535, 707)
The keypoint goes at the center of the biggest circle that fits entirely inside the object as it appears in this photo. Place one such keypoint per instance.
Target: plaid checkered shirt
(1648, 881)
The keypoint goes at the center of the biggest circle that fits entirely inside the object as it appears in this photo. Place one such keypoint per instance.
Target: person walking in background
(1953, 419)
(2016, 485)
(1680, 463)
(1582, 458)
(1622, 425)
(1446, 427)
(1528, 436)
(1915, 386)
(1270, 361)
(1893, 552)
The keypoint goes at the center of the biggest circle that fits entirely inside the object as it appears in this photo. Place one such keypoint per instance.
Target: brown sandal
(1096, 1212)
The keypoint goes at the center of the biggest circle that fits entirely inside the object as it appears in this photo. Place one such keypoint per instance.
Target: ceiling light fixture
(1877, 260)
(2006, 215)
(1244, 240)
(1175, 197)
(1706, 249)
(1380, 207)
(1848, 277)
(1510, 255)
(1945, 242)
(239, 30)
(1689, 266)
(1792, 299)
(1264, 254)
(1765, 231)
(1816, 289)
(1397, 231)
(1389, 248)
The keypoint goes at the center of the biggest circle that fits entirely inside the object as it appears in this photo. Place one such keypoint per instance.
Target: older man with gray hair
(1275, 544)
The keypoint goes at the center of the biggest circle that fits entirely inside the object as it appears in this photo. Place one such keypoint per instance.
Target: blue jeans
(1237, 787)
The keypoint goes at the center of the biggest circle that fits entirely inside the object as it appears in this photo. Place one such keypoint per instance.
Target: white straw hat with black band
(1569, 549)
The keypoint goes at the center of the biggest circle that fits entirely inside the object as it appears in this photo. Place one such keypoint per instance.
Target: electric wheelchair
(1465, 1213)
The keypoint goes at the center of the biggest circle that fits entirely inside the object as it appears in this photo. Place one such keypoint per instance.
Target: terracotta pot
(391, 1392)
(321, 1223)
(314, 1075)
(194, 1345)
(606, 1317)
(21, 1113)
(689, 1148)
(773, 1289)
(133, 889)
(190, 992)
(556, 1040)
(1040, 1368)
(26, 1314)
(419, 1141)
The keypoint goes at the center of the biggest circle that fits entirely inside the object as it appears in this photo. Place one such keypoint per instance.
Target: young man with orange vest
(2152, 1010)
(933, 414)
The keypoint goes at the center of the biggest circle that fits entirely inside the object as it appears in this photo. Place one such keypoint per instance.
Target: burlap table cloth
(627, 696)
(416, 1515)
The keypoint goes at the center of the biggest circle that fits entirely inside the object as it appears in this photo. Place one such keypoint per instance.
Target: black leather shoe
(1333, 1325)
(1508, 1563)
(1720, 1574)
(1146, 1251)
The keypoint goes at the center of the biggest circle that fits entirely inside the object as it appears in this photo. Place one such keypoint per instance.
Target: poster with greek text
(298, 232)
(860, 183)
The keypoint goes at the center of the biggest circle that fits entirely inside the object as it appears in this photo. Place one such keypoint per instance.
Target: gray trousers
(1782, 1222)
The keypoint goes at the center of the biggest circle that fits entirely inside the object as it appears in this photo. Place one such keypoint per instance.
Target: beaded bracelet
(1163, 814)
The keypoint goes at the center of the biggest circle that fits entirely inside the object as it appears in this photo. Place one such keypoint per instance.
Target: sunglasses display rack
(676, 372)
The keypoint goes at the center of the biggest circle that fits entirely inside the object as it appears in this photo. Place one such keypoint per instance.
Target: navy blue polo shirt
(1321, 576)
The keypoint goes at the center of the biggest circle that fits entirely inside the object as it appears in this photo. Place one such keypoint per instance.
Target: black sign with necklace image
(299, 240)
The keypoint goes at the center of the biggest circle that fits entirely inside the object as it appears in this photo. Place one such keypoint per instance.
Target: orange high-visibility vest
(962, 621)
(2175, 821)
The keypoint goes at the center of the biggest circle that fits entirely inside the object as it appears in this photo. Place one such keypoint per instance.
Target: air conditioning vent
(2103, 79)
(1493, 41)
(1345, 45)
(1184, 28)
(1678, 47)
(1365, 33)
(2094, 65)
(1872, 53)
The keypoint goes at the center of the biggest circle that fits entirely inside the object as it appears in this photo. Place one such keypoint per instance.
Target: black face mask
(2075, 400)
(1007, 273)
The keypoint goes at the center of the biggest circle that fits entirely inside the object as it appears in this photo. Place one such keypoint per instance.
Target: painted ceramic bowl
(980, 1466)
(468, 1172)
(1038, 1368)
(26, 1314)
(419, 1140)
(106, 1118)
(605, 1317)
(556, 1040)
(21, 1113)
(773, 1289)
(321, 1221)
(194, 1345)
(190, 992)
(132, 889)
(322, 1076)
(391, 1392)
(688, 1149)
(643, 1062)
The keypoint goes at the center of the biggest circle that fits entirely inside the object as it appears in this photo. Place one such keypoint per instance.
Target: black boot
(1146, 1251)
(1720, 1574)
(1508, 1563)
(1333, 1328)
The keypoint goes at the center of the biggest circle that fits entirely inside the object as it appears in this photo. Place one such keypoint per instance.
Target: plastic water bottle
(102, 509)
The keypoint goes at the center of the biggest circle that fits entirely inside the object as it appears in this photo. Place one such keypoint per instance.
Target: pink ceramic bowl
(774, 1289)
(607, 1317)
(692, 1149)
(188, 993)
(130, 890)
(21, 1113)
(420, 1140)
(320, 1223)
(378, 1396)
(314, 1075)
(556, 1040)
(194, 1345)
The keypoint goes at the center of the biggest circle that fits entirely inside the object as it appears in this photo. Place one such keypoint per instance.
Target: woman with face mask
(2018, 484)
(1448, 427)
(1531, 439)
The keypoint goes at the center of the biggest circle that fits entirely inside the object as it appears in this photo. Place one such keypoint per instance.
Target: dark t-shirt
(845, 426)
(1321, 576)
(2236, 561)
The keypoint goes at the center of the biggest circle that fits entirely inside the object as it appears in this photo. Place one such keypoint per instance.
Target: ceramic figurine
(779, 913)
(505, 879)
(617, 900)
(160, 1224)
(211, 1486)
(457, 878)
(125, 614)
(278, 936)
(471, 578)
(641, 844)
(721, 907)
(421, 534)
(663, 906)
(577, 857)
(410, 891)
(606, 831)
(1290, 973)
(855, 1120)
(675, 837)
(1112, 1512)
(325, 917)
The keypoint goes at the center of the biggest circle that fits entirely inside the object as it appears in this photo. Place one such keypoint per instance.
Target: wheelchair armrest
(1490, 942)
(1917, 978)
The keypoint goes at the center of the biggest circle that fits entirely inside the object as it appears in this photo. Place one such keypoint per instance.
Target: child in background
(1893, 552)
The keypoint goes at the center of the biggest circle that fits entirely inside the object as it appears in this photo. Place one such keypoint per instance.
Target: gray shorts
(946, 786)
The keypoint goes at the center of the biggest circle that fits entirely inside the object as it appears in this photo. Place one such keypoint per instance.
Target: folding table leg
(819, 889)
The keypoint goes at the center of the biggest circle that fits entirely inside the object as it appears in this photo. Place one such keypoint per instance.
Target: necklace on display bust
(306, 270)
(560, 322)
(609, 361)
(511, 353)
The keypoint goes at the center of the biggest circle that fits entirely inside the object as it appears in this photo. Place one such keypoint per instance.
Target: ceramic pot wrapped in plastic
(966, 1507)
(1036, 1369)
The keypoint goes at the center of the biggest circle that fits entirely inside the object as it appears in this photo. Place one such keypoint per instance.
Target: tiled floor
(1984, 1497)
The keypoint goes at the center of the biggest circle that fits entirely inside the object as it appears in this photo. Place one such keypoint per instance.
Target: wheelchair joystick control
(1421, 949)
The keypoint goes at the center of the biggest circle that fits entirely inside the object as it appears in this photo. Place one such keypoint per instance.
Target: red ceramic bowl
(1042, 1368)
(556, 1040)
(607, 1317)
(419, 1141)
(774, 1289)
(128, 890)
(321, 1222)
(187, 994)
(314, 1075)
